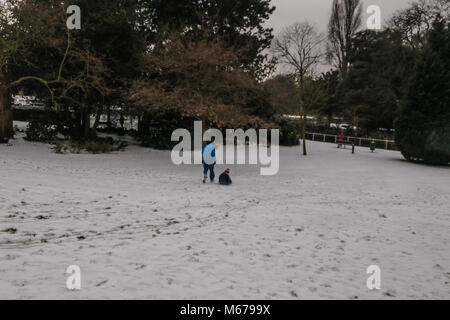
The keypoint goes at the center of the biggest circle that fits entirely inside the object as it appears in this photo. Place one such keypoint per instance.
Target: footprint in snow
(101, 283)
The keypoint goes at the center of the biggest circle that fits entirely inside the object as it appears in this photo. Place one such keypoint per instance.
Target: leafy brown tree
(200, 79)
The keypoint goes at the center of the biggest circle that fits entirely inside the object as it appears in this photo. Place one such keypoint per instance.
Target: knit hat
(227, 171)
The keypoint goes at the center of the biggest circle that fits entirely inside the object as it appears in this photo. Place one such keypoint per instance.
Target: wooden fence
(359, 142)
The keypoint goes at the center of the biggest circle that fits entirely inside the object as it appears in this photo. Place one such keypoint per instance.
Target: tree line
(376, 73)
(169, 62)
(197, 59)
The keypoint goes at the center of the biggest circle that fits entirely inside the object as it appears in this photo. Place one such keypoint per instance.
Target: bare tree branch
(300, 46)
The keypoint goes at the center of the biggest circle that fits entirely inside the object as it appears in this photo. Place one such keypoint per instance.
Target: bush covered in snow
(99, 145)
(40, 131)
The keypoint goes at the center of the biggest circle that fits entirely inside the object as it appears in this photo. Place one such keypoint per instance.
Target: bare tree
(300, 47)
(413, 23)
(344, 22)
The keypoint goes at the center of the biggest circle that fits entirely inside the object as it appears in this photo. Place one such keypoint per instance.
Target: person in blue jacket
(209, 161)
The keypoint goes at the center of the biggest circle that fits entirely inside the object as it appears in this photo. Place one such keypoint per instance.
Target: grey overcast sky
(318, 11)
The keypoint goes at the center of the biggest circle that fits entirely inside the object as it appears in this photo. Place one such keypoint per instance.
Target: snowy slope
(139, 227)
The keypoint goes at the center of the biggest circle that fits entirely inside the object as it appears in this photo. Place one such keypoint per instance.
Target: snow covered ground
(142, 228)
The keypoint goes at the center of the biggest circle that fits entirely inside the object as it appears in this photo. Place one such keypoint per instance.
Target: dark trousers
(210, 168)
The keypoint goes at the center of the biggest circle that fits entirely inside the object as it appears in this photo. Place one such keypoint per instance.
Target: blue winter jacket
(209, 154)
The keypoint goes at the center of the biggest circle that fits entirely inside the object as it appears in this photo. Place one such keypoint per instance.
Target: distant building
(27, 102)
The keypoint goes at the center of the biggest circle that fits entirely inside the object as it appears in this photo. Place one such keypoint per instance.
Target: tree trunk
(97, 117)
(330, 119)
(86, 124)
(304, 133)
(139, 123)
(108, 117)
(122, 120)
(138, 129)
(6, 119)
